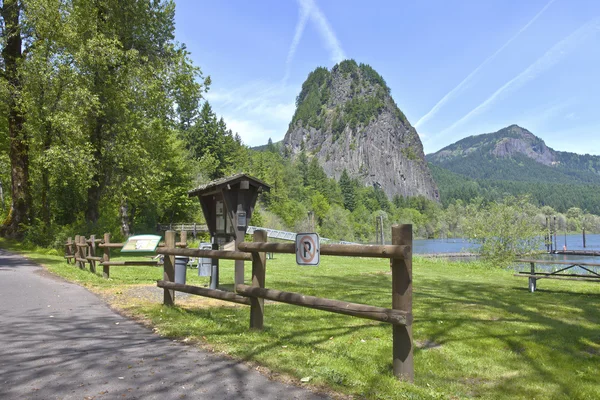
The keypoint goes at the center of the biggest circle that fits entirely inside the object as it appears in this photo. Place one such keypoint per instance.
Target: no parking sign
(307, 249)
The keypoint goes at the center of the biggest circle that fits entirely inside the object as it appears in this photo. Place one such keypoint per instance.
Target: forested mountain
(515, 154)
(347, 119)
(514, 162)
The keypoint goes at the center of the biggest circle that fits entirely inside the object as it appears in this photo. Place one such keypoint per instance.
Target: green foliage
(320, 205)
(338, 125)
(346, 67)
(210, 142)
(337, 224)
(370, 75)
(409, 153)
(349, 190)
(107, 94)
(504, 230)
(312, 97)
(361, 110)
(559, 196)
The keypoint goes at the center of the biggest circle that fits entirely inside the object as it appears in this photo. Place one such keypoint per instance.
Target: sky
(456, 68)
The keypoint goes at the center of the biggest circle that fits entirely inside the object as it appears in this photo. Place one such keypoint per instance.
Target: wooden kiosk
(227, 204)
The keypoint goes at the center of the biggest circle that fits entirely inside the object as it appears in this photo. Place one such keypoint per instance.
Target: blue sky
(455, 68)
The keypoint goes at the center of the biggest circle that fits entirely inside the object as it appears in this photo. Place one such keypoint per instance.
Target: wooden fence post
(169, 268)
(93, 253)
(259, 265)
(76, 250)
(183, 238)
(81, 249)
(106, 257)
(86, 253)
(69, 251)
(402, 300)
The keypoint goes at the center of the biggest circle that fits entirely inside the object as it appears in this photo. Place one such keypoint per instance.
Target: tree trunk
(94, 194)
(19, 148)
(46, 178)
(1, 195)
(125, 224)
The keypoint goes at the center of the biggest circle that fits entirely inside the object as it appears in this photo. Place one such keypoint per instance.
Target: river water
(440, 246)
(573, 242)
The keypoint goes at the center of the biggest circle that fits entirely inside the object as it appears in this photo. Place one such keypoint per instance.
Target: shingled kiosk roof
(218, 184)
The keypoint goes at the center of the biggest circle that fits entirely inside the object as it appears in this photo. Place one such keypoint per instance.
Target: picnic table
(533, 275)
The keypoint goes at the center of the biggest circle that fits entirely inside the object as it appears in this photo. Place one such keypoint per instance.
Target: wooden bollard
(106, 257)
(169, 268)
(259, 265)
(402, 347)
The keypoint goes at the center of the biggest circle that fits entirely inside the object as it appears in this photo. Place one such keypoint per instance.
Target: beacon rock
(348, 120)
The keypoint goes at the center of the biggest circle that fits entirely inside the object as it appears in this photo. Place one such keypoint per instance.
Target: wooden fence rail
(83, 251)
(399, 316)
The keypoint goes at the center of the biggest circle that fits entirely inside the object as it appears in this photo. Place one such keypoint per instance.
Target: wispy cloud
(538, 117)
(254, 133)
(257, 110)
(465, 81)
(548, 60)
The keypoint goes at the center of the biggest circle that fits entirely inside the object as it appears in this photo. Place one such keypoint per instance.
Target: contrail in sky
(549, 59)
(308, 9)
(461, 85)
(305, 11)
(327, 34)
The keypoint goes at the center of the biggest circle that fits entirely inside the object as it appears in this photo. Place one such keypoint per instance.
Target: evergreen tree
(271, 147)
(302, 165)
(348, 191)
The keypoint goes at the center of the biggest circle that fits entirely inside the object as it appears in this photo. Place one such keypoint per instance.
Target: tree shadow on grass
(538, 332)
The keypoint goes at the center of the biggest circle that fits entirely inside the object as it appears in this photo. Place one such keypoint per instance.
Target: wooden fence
(399, 316)
(84, 251)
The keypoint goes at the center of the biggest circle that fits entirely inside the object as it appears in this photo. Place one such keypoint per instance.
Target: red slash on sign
(307, 249)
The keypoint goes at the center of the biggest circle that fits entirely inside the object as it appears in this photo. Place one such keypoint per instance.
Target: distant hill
(346, 118)
(514, 153)
(515, 161)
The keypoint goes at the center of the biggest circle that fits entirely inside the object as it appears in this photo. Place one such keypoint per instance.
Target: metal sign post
(307, 249)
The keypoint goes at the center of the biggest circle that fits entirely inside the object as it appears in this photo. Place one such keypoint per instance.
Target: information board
(141, 243)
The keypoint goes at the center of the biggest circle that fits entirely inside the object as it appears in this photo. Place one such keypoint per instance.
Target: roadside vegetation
(478, 332)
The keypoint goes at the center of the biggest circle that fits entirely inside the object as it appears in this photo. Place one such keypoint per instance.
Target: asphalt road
(59, 341)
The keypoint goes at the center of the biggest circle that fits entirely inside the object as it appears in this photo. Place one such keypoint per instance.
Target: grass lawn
(478, 331)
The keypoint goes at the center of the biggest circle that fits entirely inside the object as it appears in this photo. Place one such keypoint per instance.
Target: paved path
(59, 341)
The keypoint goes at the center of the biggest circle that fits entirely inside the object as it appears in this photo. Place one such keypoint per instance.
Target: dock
(589, 253)
(447, 255)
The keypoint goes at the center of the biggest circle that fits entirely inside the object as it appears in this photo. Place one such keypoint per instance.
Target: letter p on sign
(307, 249)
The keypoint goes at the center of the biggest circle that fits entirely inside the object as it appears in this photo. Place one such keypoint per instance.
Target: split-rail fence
(399, 253)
